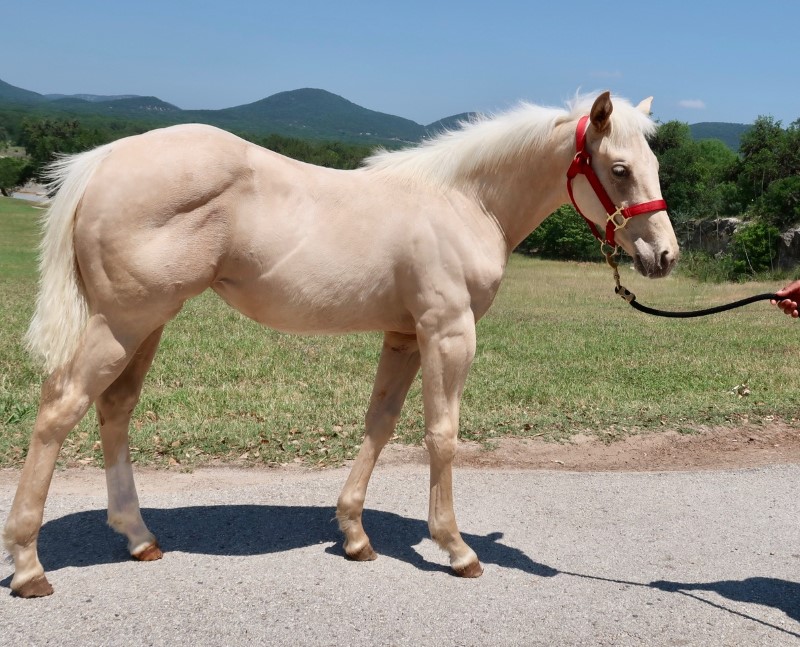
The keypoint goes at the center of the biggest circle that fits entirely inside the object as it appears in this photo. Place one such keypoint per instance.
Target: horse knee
(441, 442)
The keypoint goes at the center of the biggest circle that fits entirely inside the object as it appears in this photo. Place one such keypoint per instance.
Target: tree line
(43, 139)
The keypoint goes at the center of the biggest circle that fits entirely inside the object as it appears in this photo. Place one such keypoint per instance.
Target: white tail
(61, 310)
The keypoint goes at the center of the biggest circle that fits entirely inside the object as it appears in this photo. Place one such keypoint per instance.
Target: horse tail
(61, 308)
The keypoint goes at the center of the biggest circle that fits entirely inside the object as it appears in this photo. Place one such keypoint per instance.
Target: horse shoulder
(453, 256)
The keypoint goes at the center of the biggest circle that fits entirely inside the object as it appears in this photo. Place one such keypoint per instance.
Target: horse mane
(487, 142)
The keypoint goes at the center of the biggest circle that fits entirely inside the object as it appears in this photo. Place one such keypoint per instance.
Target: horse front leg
(397, 368)
(448, 349)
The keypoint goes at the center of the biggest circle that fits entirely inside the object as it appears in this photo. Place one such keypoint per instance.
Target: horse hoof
(470, 570)
(38, 587)
(149, 553)
(364, 554)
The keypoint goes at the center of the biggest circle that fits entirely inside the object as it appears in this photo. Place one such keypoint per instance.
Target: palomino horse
(414, 244)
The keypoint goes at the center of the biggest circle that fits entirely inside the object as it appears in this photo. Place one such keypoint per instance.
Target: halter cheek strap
(617, 217)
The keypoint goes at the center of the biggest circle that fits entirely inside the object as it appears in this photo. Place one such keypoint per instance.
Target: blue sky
(702, 60)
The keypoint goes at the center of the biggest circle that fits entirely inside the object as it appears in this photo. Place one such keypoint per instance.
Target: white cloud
(694, 104)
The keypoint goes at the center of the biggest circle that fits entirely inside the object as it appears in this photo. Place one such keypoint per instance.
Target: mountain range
(305, 113)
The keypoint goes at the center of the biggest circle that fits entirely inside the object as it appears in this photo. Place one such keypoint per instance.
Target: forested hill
(306, 113)
(728, 133)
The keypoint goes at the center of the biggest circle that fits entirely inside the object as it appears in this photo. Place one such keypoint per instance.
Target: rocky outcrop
(710, 236)
(789, 249)
(714, 238)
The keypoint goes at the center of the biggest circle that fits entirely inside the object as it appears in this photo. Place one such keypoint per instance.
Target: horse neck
(521, 192)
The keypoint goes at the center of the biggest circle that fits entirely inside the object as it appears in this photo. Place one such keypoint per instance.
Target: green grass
(558, 354)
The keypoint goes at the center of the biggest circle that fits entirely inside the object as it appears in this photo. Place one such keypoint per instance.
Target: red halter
(617, 217)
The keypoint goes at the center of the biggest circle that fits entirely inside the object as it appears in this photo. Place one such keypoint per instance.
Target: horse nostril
(667, 259)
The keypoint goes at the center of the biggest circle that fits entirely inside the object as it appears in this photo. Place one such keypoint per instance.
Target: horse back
(294, 246)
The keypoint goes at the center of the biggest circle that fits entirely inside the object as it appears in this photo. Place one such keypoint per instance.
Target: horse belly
(310, 304)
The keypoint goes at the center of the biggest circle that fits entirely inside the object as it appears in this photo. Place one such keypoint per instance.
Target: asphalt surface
(254, 557)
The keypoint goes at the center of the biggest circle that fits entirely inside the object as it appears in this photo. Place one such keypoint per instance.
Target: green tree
(14, 171)
(44, 139)
(680, 173)
(324, 153)
(695, 176)
(716, 196)
(769, 172)
(760, 149)
(754, 248)
(780, 204)
(563, 235)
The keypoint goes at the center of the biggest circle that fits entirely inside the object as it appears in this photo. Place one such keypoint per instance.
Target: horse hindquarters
(121, 274)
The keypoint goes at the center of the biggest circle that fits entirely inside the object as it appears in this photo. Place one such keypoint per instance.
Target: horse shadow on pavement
(766, 591)
(84, 539)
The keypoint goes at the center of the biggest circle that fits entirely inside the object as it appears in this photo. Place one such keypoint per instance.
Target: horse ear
(645, 106)
(601, 112)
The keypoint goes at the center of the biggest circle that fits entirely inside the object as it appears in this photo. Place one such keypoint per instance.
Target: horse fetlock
(133, 528)
(350, 525)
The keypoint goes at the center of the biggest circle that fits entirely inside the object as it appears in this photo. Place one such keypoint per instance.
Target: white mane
(451, 157)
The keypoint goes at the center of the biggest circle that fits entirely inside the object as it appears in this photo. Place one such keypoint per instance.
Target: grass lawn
(558, 354)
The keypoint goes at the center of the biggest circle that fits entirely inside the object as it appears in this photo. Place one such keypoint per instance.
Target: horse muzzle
(654, 262)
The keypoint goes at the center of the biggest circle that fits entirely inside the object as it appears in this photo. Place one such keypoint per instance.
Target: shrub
(780, 204)
(14, 171)
(563, 235)
(754, 248)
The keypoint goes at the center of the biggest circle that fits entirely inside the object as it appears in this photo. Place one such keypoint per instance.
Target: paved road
(681, 558)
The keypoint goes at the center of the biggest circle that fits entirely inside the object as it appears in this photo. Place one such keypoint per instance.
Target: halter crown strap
(617, 217)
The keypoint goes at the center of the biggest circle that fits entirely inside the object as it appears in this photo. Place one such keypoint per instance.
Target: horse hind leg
(398, 365)
(100, 358)
(114, 409)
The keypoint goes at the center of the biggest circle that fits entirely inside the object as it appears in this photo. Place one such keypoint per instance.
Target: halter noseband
(617, 217)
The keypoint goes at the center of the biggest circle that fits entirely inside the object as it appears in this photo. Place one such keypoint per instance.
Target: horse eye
(619, 171)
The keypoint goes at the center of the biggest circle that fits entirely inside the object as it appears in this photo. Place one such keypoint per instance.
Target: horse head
(621, 175)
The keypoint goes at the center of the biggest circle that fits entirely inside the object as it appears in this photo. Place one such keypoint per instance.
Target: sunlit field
(558, 354)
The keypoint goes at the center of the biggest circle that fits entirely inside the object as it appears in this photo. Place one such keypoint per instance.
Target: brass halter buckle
(617, 219)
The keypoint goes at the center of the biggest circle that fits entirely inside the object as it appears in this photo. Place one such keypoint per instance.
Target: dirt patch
(709, 448)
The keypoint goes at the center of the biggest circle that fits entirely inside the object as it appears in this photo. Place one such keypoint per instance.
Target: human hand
(790, 299)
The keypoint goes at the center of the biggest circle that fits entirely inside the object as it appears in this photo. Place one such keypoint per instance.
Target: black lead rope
(630, 297)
